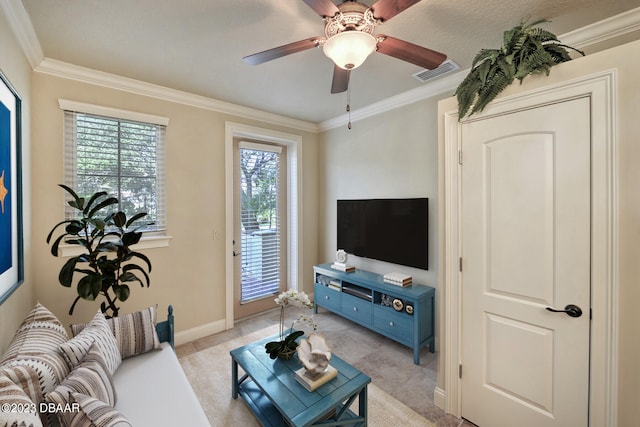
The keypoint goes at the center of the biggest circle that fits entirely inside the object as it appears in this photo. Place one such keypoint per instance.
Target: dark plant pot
(286, 354)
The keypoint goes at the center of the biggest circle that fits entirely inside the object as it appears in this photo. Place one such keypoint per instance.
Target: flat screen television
(391, 230)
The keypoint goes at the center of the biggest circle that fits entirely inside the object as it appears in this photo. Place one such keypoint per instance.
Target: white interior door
(525, 246)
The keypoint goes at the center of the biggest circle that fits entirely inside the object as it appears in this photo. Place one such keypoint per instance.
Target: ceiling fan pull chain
(349, 102)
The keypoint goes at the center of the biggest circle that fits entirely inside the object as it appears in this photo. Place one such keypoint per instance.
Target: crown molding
(433, 88)
(22, 28)
(607, 29)
(87, 75)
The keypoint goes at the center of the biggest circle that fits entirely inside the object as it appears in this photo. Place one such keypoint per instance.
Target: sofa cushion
(17, 408)
(91, 378)
(95, 413)
(39, 332)
(159, 376)
(99, 333)
(135, 332)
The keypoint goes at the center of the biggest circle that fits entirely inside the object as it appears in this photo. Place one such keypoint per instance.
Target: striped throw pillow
(99, 333)
(94, 413)
(135, 332)
(26, 377)
(39, 332)
(50, 366)
(91, 378)
(17, 408)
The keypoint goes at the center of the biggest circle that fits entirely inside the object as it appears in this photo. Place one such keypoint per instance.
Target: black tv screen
(391, 230)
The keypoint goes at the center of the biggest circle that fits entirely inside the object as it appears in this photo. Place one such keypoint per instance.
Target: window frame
(150, 239)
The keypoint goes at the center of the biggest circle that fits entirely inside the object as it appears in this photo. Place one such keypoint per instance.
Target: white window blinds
(125, 158)
(261, 222)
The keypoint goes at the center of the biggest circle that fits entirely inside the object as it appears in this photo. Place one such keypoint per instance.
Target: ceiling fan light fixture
(349, 49)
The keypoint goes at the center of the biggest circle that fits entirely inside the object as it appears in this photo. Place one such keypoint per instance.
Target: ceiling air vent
(444, 68)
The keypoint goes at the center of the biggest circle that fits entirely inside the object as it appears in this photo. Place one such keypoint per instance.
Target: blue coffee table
(275, 397)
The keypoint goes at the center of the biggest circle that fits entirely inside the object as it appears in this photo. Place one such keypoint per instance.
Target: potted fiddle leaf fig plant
(107, 264)
(527, 49)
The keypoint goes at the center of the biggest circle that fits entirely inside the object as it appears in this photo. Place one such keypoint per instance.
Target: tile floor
(389, 364)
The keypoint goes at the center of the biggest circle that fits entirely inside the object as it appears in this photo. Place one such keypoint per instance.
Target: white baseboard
(439, 398)
(202, 331)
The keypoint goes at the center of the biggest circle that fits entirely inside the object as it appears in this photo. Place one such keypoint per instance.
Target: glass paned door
(260, 227)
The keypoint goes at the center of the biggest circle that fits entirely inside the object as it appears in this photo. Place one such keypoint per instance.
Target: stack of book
(343, 267)
(335, 284)
(311, 382)
(397, 279)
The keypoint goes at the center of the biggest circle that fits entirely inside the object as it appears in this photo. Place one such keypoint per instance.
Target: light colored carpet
(209, 372)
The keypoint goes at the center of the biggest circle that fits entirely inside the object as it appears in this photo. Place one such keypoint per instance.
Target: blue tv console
(404, 314)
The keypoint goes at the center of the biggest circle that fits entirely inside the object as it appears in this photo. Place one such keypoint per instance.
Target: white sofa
(153, 390)
(120, 372)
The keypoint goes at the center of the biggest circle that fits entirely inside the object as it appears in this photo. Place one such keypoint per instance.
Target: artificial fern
(526, 49)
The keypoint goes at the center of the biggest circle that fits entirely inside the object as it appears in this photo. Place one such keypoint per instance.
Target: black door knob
(571, 310)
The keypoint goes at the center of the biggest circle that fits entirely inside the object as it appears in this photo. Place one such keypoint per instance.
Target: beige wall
(17, 70)
(626, 60)
(190, 273)
(393, 155)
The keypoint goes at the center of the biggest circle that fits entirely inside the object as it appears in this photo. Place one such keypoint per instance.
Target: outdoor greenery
(258, 201)
(119, 157)
(526, 49)
(107, 264)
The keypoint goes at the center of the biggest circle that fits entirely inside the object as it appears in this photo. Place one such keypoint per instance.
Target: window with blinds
(260, 220)
(125, 158)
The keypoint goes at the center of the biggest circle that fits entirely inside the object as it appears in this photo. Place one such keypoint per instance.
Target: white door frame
(294, 204)
(604, 239)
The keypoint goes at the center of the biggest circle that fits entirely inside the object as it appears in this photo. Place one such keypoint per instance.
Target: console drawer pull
(326, 297)
(355, 308)
(391, 324)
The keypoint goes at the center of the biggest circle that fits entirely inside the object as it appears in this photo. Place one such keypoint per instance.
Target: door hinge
(460, 371)
(460, 157)
(460, 264)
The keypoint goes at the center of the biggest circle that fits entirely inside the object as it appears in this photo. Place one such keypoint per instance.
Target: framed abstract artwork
(11, 238)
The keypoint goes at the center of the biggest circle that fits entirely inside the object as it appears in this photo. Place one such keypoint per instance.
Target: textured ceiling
(197, 45)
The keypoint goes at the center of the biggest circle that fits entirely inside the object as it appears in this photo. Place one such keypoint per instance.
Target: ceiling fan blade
(323, 7)
(418, 55)
(277, 52)
(340, 81)
(387, 9)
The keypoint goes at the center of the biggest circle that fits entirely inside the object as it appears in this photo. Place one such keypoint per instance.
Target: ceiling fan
(349, 38)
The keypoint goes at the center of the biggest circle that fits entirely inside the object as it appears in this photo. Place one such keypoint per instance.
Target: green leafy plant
(284, 348)
(107, 264)
(526, 49)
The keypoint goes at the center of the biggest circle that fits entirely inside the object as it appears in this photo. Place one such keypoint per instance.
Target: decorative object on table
(398, 279)
(315, 354)
(408, 308)
(341, 262)
(11, 230)
(386, 300)
(286, 347)
(526, 49)
(107, 263)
